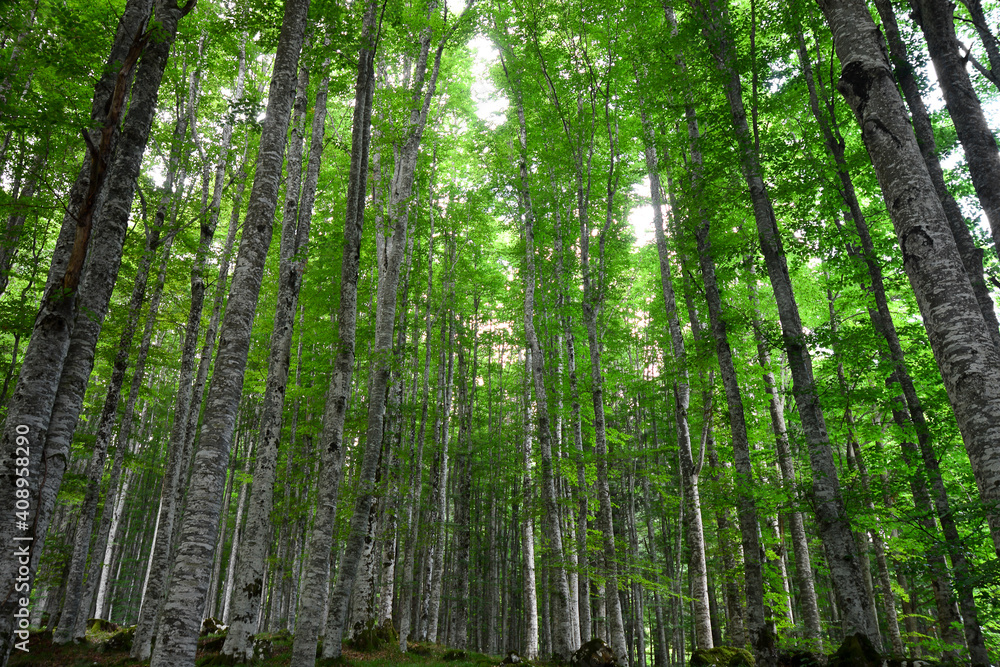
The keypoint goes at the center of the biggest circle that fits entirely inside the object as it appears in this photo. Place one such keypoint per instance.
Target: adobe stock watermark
(22, 543)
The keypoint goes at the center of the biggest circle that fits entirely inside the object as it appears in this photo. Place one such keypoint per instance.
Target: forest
(663, 331)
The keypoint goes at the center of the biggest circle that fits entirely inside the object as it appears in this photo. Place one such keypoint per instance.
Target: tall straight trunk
(440, 499)
(227, 589)
(316, 574)
(294, 252)
(393, 488)
(972, 260)
(180, 622)
(591, 305)
(170, 199)
(832, 519)
(689, 468)
(660, 649)
(800, 543)
(937, 21)
(638, 621)
(972, 256)
(883, 322)
(52, 360)
(385, 310)
(463, 488)
(362, 597)
(968, 360)
(109, 524)
(179, 452)
(529, 589)
(563, 644)
(65, 630)
(761, 635)
(413, 509)
(579, 529)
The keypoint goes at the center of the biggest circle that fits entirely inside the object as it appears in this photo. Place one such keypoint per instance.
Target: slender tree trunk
(66, 630)
(44, 368)
(563, 644)
(316, 573)
(180, 622)
(972, 256)
(936, 19)
(463, 490)
(800, 542)
(385, 310)
(294, 252)
(834, 527)
(529, 590)
(761, 635)
(968, 360)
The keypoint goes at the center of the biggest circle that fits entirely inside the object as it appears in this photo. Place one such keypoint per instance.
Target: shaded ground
(99, 650)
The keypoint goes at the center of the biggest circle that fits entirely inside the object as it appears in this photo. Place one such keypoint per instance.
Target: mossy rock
(119, 640)
(371, 636)
(800, 659)
(213, 643)
(100, 625)
(721, 656)
(856, 651)
(453, 654)
(263, 647)
(417, 648)
(741, 660)
(595, 653)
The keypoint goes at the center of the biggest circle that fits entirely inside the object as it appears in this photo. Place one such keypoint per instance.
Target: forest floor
(102, 649)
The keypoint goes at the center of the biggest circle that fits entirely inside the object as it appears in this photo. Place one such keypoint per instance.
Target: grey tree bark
(833, 524)
(463, 487)
(761, 633)
(968, 360)
(972, 256)
(35, 401)
(800, 542)
(529, 590)
(936, 19)
(178, 456)
(883, 323)
(249, 586)
(385, 310)
(180, 622)
(563, 643)
(67, 628)
(316, 574)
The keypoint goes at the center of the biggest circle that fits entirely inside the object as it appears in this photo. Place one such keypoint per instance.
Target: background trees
(532, 277)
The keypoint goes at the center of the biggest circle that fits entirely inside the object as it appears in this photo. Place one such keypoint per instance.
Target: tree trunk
(463, 489)
(936, 19)
(316, 573)
(968, 360)
(529, 590)
(385, 311)
(562, 642)
(761, 634)
(181, 622)
(294, 252)
(972, 256)
(834, 527)
(45, 367)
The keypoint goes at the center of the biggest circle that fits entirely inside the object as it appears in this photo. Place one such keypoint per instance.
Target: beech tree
(541, 326)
